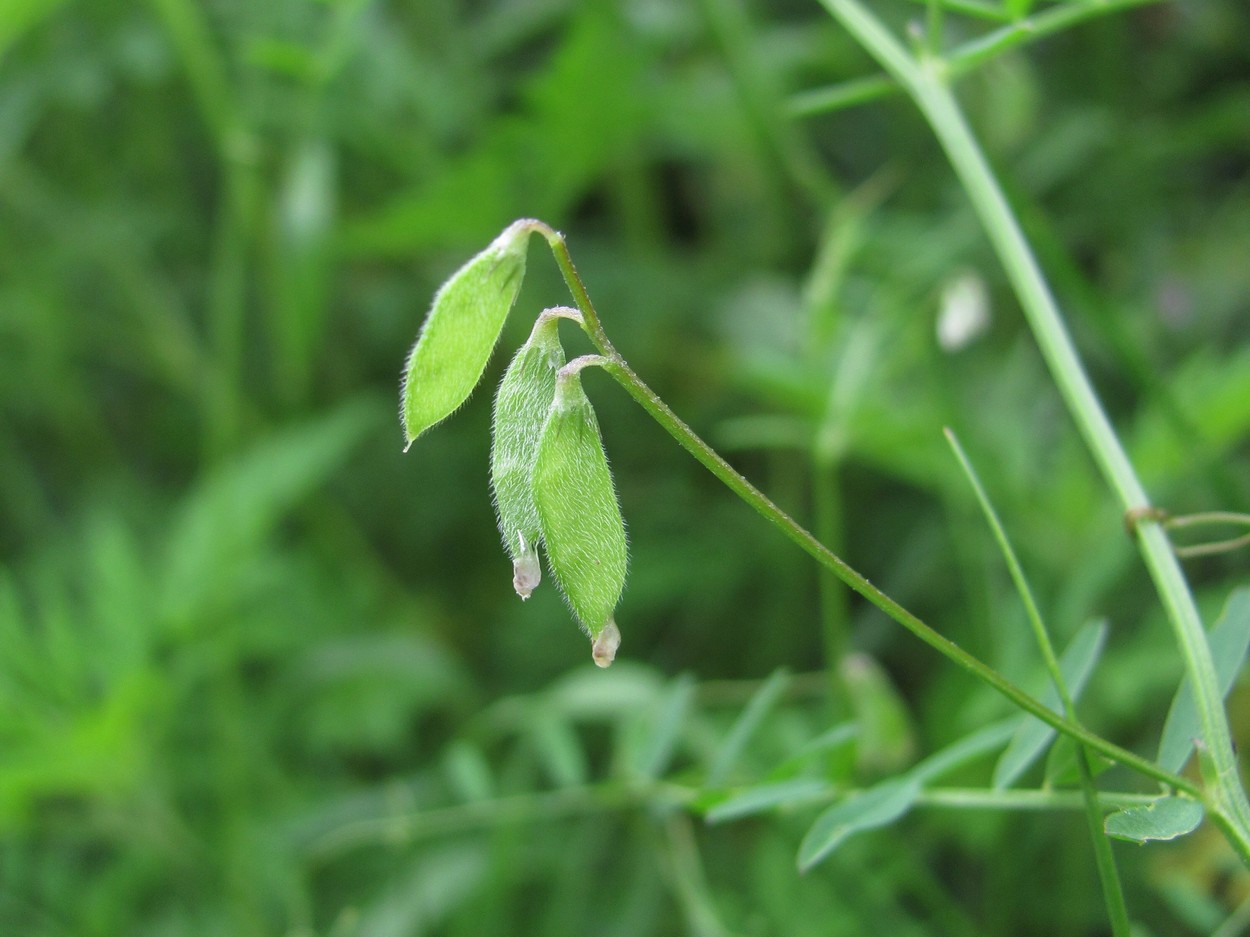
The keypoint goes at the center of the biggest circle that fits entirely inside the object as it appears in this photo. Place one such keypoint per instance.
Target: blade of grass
(1108, 874)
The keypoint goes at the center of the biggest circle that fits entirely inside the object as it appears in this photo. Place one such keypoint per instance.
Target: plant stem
(834, 613)
(925, 83)
(716, 464)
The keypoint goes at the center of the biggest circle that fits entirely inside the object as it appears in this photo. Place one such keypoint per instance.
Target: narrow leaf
(1229, 640)
(756, 709)
(659, 730)
(558, 748)
(468, 772)
(217, 534)
(834, 738)
(1034, 736)
(884, 803)
(964, 750)
(521, 407)
(583, 532)
(460, 331)
(766, 797)
(875, 807)
(604, 697)
(1164, 819)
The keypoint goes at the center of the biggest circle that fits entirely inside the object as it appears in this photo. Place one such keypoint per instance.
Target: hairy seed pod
(584, 534)
(460, 331)
(521, 406)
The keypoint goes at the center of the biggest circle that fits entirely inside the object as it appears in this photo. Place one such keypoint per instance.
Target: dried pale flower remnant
(526, 573)
(604, 649)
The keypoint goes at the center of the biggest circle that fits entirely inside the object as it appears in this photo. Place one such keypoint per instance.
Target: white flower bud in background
(965, 311)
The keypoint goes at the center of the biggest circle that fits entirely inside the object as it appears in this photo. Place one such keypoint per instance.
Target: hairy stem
(716, 464)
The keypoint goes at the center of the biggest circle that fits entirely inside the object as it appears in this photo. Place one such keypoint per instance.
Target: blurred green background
(261, 674)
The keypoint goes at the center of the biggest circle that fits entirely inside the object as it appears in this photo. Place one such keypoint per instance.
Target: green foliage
(260, 675)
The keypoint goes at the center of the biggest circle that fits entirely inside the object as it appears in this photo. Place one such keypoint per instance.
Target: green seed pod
(460, 331)
(521, 406)
(584, 534)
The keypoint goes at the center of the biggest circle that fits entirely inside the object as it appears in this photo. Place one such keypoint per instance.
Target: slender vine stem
(925, 81)
(961, 60)
(716, 464)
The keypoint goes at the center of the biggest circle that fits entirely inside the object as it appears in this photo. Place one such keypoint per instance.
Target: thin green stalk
(206, 71)
(1050, 21)
(926, 84)
(517, 809)
(961, 60)
(1109, 876)
(933, 27)
(227, 303)
(979, 798)
(841, 96)
(1214, 546)
(978, 8)
(762, 101)
(716, 464)
(227, 308)
(688, 880)
(834, 613)
(855, 365)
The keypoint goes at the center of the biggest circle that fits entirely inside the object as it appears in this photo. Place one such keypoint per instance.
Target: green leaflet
(1163, 819)
(521, 407)
(460, 331)
(583, 532)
